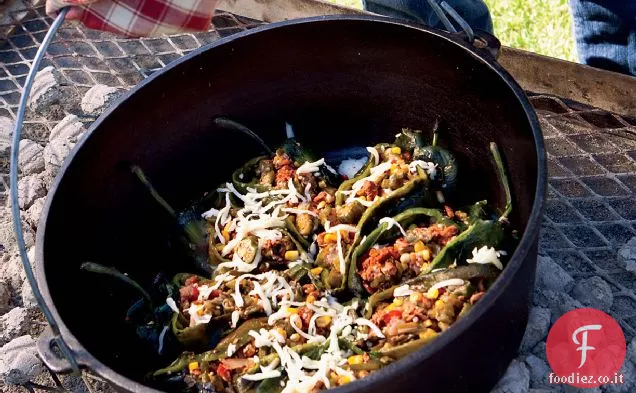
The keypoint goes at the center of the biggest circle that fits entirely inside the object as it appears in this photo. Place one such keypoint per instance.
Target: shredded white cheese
(310, 167)
(371, 325)
(343, 264)
(172, 304)
(487, 255)
(403, 290)
(231, 349)
(390, 222)
(447, 283)
(235, 318)
(429, 167)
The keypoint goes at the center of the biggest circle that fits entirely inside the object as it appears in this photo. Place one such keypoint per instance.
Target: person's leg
(475, 12)
(605, 32)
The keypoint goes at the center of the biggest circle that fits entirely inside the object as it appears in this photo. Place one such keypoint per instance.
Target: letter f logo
(584, 347)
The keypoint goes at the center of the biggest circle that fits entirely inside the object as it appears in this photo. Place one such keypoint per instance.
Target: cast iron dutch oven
(341, 81)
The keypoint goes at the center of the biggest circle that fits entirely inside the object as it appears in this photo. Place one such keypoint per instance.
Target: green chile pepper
(480, 232)
(192, 224)
(239, 337)
(424, 282)
(383, 234)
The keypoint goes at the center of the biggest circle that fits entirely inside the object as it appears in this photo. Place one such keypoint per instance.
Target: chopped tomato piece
(224, 372)
(390, 315)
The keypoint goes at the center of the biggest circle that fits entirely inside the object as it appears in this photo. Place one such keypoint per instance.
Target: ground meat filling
(284, 169)
(381, 268)
(384, 267)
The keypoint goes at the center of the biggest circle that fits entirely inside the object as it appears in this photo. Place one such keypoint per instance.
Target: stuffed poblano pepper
(414, 313)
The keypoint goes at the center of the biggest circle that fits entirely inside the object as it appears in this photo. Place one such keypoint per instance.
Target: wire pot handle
(480, 39)
(55, 336)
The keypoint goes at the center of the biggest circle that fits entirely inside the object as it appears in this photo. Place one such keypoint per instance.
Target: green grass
(540, 26)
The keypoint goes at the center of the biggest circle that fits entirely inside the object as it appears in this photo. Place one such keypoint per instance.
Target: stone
(539, 371)
(6, 132)
(19, 361)
(63, 138)
(628, 255)
(631, 351)
(46, 89)
(69, 129)
(98, 98)
(28, 299)
(32, 215)
(31, 157)
(516, 379)
(13, 324)
(537, 329)
(540, 351)
(629, 380)
(572, 389)
(5, 297)
(12, 270)
(551, 276)
(594, 292)
(559, 303)
(30, 188)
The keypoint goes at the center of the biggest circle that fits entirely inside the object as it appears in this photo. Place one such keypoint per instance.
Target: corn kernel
(426, 253)
(362, 197)
(294, 337)
(396, 150)
(331, 238)
(355, 359)
(419, 246)
(428, 323)
(282, 332)
(433, 294)
(193, 366)
(440, 304)
(414, 297)
(310, 299)
(428, 333)
(316, 271)
(292, 310)
(324, 321)
(398, 302)
(201, 311)
(226, 231)
(344, 379)
(291, 255)
(321, 204)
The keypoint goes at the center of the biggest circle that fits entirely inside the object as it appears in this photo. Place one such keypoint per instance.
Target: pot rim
(530, 233)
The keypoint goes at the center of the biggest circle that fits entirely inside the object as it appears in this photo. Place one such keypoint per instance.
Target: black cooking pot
(341, 81)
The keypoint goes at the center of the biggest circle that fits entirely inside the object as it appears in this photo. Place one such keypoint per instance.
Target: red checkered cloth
(138, 18)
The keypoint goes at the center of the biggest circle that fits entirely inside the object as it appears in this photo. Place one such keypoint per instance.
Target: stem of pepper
(142, 178)
(503, 177)
(111, 271)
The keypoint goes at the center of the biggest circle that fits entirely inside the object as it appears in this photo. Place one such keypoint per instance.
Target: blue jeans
(606, 33)
(605, 30)
(475, 12)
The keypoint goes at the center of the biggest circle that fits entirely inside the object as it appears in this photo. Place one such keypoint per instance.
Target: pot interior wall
(340, 83)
